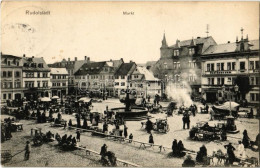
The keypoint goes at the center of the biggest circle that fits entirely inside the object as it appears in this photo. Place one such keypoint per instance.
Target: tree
(243, 84)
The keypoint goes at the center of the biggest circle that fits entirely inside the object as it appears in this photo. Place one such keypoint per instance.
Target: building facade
(59, 82)
(72, 67)
(123, 77)
(11, 78)
(226, 67)
(143, 81)
(36, 78)
(97, 77)
(181, 62)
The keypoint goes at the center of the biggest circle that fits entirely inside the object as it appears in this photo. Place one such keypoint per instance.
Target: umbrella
(45, 99)
(55, 97)
(84, 99)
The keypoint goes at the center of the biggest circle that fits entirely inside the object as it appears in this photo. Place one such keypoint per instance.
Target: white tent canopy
(45, 99)
(55, 97)
(227, 105)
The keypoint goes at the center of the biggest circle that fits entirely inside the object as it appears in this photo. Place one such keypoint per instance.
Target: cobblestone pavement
(130, 152)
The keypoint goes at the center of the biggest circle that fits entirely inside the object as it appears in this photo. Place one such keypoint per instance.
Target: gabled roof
(196, 41)
(148, 75)
(125, 68)
(229, 47)
(61, 71)
(90, 68)
(30, 60)
(10, 56)
(221, 48)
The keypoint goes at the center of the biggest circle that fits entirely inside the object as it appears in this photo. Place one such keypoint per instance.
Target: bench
(126, 163)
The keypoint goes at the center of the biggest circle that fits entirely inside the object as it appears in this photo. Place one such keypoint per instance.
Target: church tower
(165, 50)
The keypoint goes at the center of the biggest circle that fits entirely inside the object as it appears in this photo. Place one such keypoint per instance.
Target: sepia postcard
(129, 84)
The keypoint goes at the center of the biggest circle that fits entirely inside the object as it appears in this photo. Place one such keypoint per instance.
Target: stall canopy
(226, 106)
(45, 99)
(84, 99)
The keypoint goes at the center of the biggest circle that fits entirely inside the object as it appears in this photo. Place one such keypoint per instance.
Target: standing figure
(246, 139)
(78, 135)
(131, 138)
(149, 126)
(230, 152)
(70, 123)
(105, 127)
(184, 121)
(151, 139)
(103, 152)
(27, 150)
(125, 131)
(174, 147)
(188, 121)
(241, 149)
(207, 108)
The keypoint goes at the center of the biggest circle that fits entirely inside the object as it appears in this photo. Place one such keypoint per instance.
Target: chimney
(131, 61)
(88, 59)
(198, 37)
(68, 59)
(110, 60)
(85, 57)
(228, 42)
(23, 55)
(32, 56)
(76, 58)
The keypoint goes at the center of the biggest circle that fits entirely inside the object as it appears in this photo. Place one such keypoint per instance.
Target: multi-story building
(181, 62)
(97, 77)
(11, 77)
(123, 76)
(72, 67)
(231, 71)
(143, 81)
(59, 82)
(36, 78)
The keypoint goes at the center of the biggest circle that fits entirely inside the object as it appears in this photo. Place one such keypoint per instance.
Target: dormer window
(176, 53)
(191, 51)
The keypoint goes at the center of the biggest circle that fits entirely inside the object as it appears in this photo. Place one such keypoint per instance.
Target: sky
(100, 31)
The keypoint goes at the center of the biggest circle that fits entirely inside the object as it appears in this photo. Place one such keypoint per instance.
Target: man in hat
(230, 152)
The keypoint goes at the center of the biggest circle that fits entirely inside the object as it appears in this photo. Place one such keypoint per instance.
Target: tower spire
(164, 42)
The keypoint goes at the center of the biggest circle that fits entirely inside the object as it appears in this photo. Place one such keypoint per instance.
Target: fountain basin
(136, 113)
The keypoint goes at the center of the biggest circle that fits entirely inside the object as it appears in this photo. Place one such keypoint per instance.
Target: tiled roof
(255, 44)
(229, 47)
(125, 68)
(36, 60)
(90, 68)
(5, 55)
(59, 71)
(200, 40)
(221, 48)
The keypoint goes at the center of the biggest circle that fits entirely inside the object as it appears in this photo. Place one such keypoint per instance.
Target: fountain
(130, 113)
